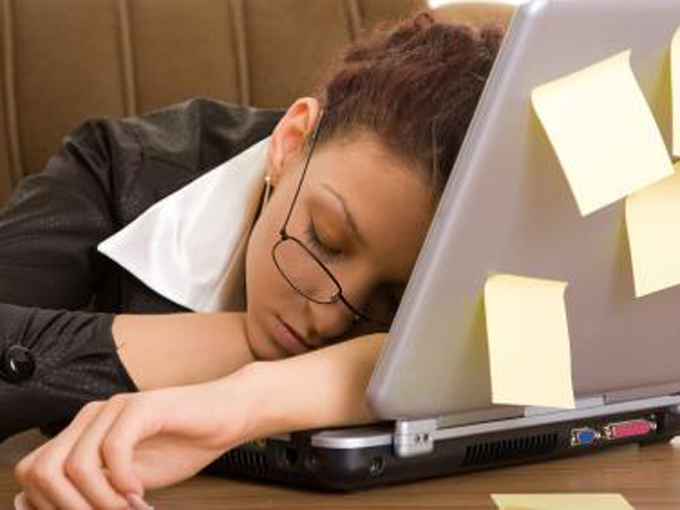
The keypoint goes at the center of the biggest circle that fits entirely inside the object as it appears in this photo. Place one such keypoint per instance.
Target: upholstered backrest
(61, 61)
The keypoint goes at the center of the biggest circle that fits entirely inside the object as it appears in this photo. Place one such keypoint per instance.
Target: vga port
(584, 436)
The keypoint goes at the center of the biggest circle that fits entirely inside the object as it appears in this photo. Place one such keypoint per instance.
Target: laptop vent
(242, 461)
(509, 449)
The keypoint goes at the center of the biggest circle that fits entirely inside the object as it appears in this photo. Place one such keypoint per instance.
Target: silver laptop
(508, 208)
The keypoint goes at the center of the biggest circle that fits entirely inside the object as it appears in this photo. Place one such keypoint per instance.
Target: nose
(331, 320)
(334, 320)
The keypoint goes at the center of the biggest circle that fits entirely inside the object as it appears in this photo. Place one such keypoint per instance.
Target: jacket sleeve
(54, 358)
(52, 362)
(53, 220)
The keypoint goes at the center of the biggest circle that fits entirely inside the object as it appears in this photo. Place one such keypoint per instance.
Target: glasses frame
(285, 236)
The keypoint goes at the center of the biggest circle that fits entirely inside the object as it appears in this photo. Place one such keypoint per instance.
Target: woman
(327, 259)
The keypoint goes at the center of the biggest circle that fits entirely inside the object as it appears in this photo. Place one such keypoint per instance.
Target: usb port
(630, 428)
(584, 436)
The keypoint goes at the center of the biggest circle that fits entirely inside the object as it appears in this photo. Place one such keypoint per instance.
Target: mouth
(288, 338)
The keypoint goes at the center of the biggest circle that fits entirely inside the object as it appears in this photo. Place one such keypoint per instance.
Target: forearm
(176, 349)
(322, 388)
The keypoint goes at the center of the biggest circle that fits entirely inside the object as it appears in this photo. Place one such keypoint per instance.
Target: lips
(299, 337)
(288, 338)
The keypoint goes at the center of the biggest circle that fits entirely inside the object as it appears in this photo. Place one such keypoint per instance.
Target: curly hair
(415, 85)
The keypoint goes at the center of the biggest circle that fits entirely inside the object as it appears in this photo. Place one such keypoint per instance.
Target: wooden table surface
(649, 478)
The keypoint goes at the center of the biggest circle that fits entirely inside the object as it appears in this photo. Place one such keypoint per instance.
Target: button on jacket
(57, 293)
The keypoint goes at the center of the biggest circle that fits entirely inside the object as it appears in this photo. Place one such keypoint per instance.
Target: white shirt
(190, 246)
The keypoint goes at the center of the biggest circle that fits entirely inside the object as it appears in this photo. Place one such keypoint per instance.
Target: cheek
(264, 284)
(257, 264)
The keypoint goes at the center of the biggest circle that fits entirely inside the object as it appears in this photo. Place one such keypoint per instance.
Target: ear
(289, 135)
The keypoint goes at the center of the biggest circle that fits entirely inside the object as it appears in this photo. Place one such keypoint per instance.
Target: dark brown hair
(415, 85)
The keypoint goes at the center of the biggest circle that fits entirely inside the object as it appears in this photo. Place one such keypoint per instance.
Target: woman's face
(349, 182)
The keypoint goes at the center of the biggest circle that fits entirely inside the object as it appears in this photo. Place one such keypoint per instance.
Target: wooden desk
(648, 477)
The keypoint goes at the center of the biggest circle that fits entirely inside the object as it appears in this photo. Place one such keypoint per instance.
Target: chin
(254, 335)
(263, 346)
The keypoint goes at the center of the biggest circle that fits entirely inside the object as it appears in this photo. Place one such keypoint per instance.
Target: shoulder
(200, 133)
(155, 153)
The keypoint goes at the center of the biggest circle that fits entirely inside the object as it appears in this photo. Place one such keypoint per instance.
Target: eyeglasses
(306, 273)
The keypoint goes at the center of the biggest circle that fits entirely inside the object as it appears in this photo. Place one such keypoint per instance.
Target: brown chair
(62, 61)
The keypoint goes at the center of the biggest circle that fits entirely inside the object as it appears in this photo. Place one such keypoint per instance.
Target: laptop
(507, 208)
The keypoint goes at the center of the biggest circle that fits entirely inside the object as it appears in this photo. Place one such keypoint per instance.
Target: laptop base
(295, 461)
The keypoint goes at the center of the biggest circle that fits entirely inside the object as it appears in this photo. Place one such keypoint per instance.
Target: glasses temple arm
(315, 136)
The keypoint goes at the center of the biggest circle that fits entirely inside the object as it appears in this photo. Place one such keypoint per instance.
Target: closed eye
(326, 251)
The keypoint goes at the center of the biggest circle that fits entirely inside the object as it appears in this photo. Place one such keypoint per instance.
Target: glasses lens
(304, 272)
(309, 277)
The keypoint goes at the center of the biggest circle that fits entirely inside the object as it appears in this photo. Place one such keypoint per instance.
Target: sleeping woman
(122, 377)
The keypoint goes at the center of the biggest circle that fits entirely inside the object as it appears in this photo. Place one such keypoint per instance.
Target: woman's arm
(186, 348)
(53, 362)
(176, 349)
(321, 388)
(122, 445)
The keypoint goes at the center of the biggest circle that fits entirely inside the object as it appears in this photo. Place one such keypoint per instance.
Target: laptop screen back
(507, 208)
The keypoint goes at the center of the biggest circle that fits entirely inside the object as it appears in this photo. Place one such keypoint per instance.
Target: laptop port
(291, 456)
(629, 428)
(377, 466)
(584, 436)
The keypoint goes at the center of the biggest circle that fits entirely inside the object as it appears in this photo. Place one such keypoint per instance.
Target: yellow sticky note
(528, 338)
(653, 223)
(603, 132)
(594, 501)
(675, 88)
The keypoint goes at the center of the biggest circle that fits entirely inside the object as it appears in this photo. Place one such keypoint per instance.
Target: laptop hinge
(612, 397)
(414, 437)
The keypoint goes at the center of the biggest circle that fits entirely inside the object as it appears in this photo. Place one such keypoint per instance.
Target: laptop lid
(507, 208)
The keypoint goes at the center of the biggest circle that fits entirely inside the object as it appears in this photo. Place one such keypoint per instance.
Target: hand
(137, 441)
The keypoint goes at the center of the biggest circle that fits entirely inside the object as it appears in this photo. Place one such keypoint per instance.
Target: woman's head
(395, 110)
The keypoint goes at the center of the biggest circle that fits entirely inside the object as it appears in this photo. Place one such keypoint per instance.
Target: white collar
(190, 246)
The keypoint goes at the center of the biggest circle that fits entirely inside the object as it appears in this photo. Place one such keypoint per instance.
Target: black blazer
(58, 294)
(109, 170)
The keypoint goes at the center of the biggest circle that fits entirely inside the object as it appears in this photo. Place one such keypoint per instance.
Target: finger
(84, 465)
(31, 497)
(21, 502)
(43, 475)
(132, 426)
(151, 415)
(34, 500)
(22, 467)
(137, 503)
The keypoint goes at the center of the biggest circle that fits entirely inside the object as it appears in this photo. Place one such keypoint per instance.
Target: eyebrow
(348, 215)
